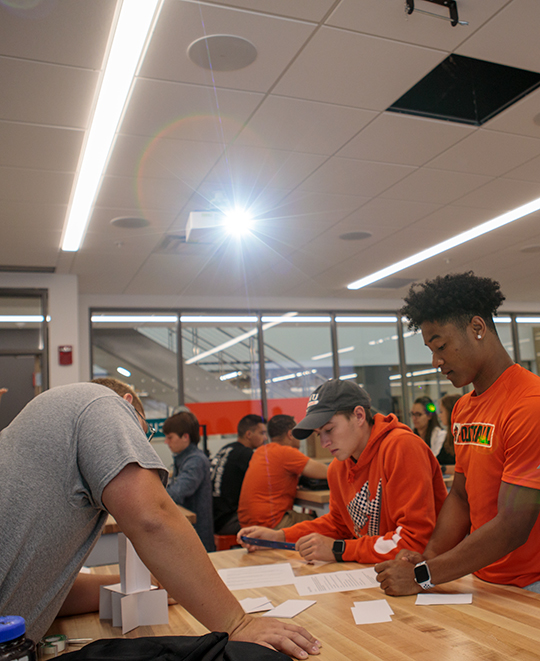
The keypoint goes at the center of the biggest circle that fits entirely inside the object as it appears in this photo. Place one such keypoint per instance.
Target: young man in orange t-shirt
(270, 482)
(489, 523)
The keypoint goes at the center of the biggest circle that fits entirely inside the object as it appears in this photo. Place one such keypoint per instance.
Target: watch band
(422, 576)
(338, 549)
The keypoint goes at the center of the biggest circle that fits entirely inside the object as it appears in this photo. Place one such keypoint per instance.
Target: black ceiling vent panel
(466, 90)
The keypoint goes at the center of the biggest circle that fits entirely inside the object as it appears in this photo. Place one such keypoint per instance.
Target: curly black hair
(456, 297)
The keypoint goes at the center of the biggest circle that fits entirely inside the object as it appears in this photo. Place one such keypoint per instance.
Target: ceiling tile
(60, 95)
(71, 33)
(488, 152)
(46, 187)
(435, 186)
(39, 147)
(395, 138)
(304, 126)
(520, 118)
(510, 37)
(344, 175)
(334, 66)
(311, 10)
(530, 171)
(277, 41)
(501, 195)
(161, 109)
(386, 18)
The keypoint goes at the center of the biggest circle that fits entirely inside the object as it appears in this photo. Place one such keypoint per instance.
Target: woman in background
(447, 456)
(426, 423)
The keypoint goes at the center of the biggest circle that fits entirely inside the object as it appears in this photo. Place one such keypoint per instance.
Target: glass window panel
(368, 353)
(21, 323)
(221, 371)
(298, 358)
(529, 342)
(504, 331)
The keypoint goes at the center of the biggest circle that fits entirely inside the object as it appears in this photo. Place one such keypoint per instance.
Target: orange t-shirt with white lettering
(497, 438)
(269, 486)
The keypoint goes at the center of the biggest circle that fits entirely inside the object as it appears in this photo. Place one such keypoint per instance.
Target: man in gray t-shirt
(74, 454)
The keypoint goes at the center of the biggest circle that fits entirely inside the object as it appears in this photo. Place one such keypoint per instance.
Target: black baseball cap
(326, 401)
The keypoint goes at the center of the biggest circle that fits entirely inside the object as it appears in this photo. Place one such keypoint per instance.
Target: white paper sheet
(339, 581)
(261, 576)
(290, 608)
(256, 604)
(371, 612)
(437, 599)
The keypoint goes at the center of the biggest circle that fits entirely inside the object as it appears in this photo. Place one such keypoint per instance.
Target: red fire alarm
(65, 354)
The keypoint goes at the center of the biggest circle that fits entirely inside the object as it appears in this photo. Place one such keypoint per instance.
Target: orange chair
(225, 542)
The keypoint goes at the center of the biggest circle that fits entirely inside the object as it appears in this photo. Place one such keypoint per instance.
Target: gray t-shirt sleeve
(109, 437)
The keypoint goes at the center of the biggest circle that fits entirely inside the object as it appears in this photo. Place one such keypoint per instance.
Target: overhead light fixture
(230, 375)
(344, 377)
(327, 355)
(133, 319)
(123, 371)
(22, 318)
(464, 237)
(128, 46)
(237, 221)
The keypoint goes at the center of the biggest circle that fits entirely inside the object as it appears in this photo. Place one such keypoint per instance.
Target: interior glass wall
(368, 353)
(529, 342)
(221, 371)
(23, 349)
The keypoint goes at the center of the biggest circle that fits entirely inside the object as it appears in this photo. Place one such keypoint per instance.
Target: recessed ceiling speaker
(130, 222)
(222, 52)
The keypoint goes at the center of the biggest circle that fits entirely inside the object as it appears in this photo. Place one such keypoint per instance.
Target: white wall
(63, 298)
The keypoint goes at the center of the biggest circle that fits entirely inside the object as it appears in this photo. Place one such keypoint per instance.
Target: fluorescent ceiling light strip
(134, 319)
(348, 376)
(327, 355)
(230, 375)
(132, 30)
(187, 319)
(473, 233)
(123, 371)
(240, 338)
(528, 320)
(502, 320)
(21, 318)
(303, 320)
(366, 320)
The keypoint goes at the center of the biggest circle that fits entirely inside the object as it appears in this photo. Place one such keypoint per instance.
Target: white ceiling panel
(311, 10)
(344, 175)
(510, 37)
(383, 212)
(305, 126)
(187, 112)
(528, 172)
(520, 118)
(48, 31)
(488, 152)
(395, 138)
(39, 186)
(60, 95)
(277, 41)
(501, 195)
(387, 18)
(436, 186)
(168, 274)
(39, 147)
(99, 274)
(338, 65)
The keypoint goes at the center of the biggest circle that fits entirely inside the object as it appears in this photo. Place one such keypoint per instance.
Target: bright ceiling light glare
(133, 319)
(464, 237)
(21, 318)
(128, 46)
(123, 371)
(238, 222)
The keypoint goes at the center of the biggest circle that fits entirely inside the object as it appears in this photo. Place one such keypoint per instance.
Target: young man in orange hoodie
(386, 487)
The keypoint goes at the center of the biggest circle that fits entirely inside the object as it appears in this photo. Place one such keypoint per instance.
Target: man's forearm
(453, 525)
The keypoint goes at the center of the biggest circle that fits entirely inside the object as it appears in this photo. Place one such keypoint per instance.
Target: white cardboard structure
(134, 601)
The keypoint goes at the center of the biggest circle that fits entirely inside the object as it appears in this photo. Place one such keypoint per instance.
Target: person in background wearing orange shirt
(489, 523)
(270, 483)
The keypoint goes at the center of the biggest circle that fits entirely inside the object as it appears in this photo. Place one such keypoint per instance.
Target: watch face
(421, 573)
(338, 546)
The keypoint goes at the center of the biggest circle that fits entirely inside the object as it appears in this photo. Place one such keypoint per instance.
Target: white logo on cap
(314, 399)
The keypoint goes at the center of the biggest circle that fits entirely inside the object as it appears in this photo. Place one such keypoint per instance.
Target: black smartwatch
(422, 576)
(338, 549)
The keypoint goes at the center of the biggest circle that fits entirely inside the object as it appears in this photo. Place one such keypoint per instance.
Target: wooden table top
(111, 526)
(501, 623)
(321, 496)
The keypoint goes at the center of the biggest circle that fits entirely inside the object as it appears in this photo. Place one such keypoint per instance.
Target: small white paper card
(437, 599)
(105, 600)
(256, 604)
(134, 576)
(290, 608)
(260, 576)
(372, 612)
(339, 581)
(144, 608)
